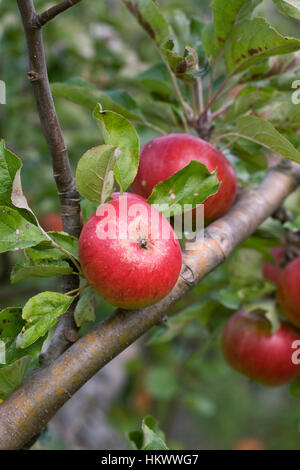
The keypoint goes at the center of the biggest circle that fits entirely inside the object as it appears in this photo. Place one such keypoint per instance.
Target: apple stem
(144, 244)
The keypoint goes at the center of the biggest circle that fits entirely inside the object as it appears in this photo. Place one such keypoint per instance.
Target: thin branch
(200, 94)
(68, 194)
(183, 104)
(25, 413)
(48, 15)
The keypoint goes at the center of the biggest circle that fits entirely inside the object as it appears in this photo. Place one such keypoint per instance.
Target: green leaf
(9, 165)
(42, 312)
(66, 241)
(151, 19)
(118, 131)
(95, 173)
(12, 376)
(225, 15)
(85, 308)
(184, 67)
(44, 268)
(150, 438)
(157, 80)
(153, 436)
(16, 233)
(87, 209)
(44, 251)
(244, 267)
(11, 193)
(262, 132)
(2, 352)
(191, 185)
(289, 8)
(11, 324)
(251, 154)
(293, 226)
(295, 388)
(229, 298)
(200, 312)
(251, 41)
(162, 382)
(249, 99)
(257, 291)
(210, 43)
(118, 101)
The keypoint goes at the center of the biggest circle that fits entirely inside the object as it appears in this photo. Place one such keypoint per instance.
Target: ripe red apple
(271, 271)
(51, 222)
(252, 349)
(288, 291)
(165, 155)
(129, 253)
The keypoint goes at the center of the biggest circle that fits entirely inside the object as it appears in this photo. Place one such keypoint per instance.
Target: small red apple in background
(130, 272)
(288, 291)
(165, 155)
(250, 443)
(51, 222)
(271, 271)
(252, 349)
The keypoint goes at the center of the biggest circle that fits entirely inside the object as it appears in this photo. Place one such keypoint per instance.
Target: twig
(68, 194)
(24, 413)
(179, 95)
(200, 94)
(48, 15)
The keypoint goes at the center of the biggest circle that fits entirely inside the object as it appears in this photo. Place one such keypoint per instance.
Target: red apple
(51, 222)
(250, 443)
(288, 291)
(129, 253)
(165, 155)
(252, 349)
(271, 271)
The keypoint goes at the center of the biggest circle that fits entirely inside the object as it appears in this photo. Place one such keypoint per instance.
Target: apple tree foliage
(237, 53)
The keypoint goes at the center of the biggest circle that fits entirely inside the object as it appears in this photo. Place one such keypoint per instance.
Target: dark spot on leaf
(27, 226)
(221, 39)
(253, 51)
